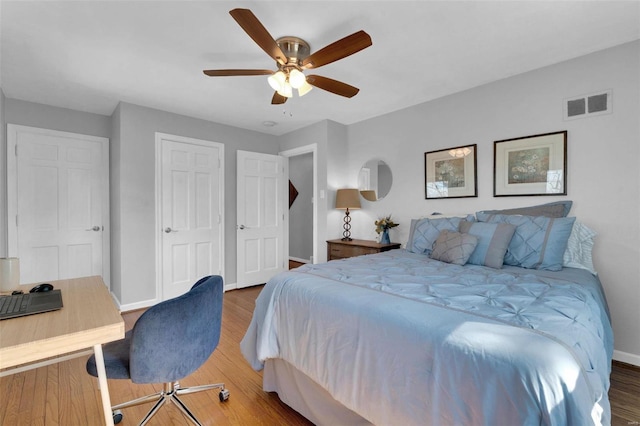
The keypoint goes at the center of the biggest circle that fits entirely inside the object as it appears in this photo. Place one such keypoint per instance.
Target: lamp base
(346, 234)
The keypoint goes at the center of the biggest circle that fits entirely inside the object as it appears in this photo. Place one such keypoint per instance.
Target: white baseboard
(632, 359)
(298, 259)
(134, 306)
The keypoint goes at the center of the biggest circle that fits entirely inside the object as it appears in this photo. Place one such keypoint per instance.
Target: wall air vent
(588, 105)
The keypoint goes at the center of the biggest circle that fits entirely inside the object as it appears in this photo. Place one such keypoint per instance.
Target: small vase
(384, 239)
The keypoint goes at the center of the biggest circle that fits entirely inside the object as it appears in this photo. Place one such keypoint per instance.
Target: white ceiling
(89, 55)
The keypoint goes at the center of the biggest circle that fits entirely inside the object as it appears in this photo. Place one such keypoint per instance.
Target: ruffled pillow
(453, 247)
(538, 242)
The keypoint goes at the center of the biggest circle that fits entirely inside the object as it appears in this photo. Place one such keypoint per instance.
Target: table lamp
(348, 198)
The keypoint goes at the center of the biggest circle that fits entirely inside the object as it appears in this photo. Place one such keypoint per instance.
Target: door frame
(158, 195)
(313, 149)
(12, 189)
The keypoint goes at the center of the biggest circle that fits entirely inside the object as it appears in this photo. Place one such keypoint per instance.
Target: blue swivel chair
(167, 343)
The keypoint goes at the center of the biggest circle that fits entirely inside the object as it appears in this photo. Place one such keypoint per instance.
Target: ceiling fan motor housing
(296, 49)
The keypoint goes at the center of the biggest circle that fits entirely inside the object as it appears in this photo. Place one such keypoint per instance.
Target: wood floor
(64, 394)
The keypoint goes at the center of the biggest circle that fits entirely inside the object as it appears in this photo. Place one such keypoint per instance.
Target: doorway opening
(303, 209)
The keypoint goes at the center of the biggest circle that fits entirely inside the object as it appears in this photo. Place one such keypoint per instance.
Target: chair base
(170, 394)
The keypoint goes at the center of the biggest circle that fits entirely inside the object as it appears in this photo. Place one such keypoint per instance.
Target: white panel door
(60, 179)
(260, 217)
(191, 213)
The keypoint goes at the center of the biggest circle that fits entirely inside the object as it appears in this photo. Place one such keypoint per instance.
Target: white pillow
(579, 247)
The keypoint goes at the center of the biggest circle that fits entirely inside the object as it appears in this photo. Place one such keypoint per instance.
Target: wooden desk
(88, 319)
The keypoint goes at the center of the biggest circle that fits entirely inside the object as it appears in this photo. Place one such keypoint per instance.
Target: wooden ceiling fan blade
(333, 86)
(234, 72)
(254, 28)
(278, 99)
(337, 50)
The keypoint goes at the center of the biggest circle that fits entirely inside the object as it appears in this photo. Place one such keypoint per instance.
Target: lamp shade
(276, 81)
(297, 79)
(286, 90)
(369, 194)
(348, 198)
(304, 89)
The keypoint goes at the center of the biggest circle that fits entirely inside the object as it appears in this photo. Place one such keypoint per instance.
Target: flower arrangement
(384, 224)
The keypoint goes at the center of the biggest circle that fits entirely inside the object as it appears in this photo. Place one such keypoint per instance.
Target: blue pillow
(493, 241)
(554, 209)
(424, 232)
(538, 242)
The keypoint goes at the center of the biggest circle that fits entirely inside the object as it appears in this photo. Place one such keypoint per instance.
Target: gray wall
(54, 118)
(330, 139)
(3, 179)
(603, 154)
(131, 130)
(133, 205)
(301, 212)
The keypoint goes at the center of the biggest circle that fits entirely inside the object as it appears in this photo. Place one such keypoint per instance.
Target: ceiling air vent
(588, 105)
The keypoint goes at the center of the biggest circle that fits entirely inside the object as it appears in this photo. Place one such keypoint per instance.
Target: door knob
(95, 228)
(241, 226)
(168, 230)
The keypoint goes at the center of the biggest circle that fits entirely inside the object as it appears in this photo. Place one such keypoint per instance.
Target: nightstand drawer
(338, 249)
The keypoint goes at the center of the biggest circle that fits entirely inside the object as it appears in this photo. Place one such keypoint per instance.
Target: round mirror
(374, 180)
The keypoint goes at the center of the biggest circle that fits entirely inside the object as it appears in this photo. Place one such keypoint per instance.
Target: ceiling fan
(292, 56)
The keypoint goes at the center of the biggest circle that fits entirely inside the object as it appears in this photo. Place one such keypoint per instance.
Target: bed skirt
(305, 396)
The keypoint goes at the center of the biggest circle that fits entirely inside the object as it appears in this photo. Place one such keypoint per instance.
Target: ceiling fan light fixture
(286, 90)
(297, 79)
(277, 80)
(304, 89)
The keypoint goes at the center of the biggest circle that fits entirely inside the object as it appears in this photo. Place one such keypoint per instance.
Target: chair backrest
(175, 337)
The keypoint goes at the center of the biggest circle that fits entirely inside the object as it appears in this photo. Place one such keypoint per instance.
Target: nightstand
(338, 249)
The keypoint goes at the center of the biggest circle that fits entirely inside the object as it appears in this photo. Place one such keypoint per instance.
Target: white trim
(12, 189)
(299, 259)
(313, 149)
(632, 359)
(158, 194)
(138, 305)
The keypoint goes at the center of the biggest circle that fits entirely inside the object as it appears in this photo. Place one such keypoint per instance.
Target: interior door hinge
(16, 221)
(16, 150)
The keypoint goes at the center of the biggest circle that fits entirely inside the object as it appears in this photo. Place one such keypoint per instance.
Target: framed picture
(531, 165)
(451, 173)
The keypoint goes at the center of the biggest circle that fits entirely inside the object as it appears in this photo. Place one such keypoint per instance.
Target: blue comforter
(403, 339)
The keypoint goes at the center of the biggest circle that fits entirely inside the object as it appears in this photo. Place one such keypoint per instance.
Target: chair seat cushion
(116, 359)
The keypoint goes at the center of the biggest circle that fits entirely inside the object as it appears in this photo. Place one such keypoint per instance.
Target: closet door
(191, 231)
(58, 204)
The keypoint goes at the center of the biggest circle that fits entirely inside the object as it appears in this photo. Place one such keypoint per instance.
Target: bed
(402, 337)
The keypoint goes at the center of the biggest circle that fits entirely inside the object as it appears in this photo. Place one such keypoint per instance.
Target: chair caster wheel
(223, 395)
(117, 416)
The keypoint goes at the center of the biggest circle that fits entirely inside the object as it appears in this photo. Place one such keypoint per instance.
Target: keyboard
(13, 304)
